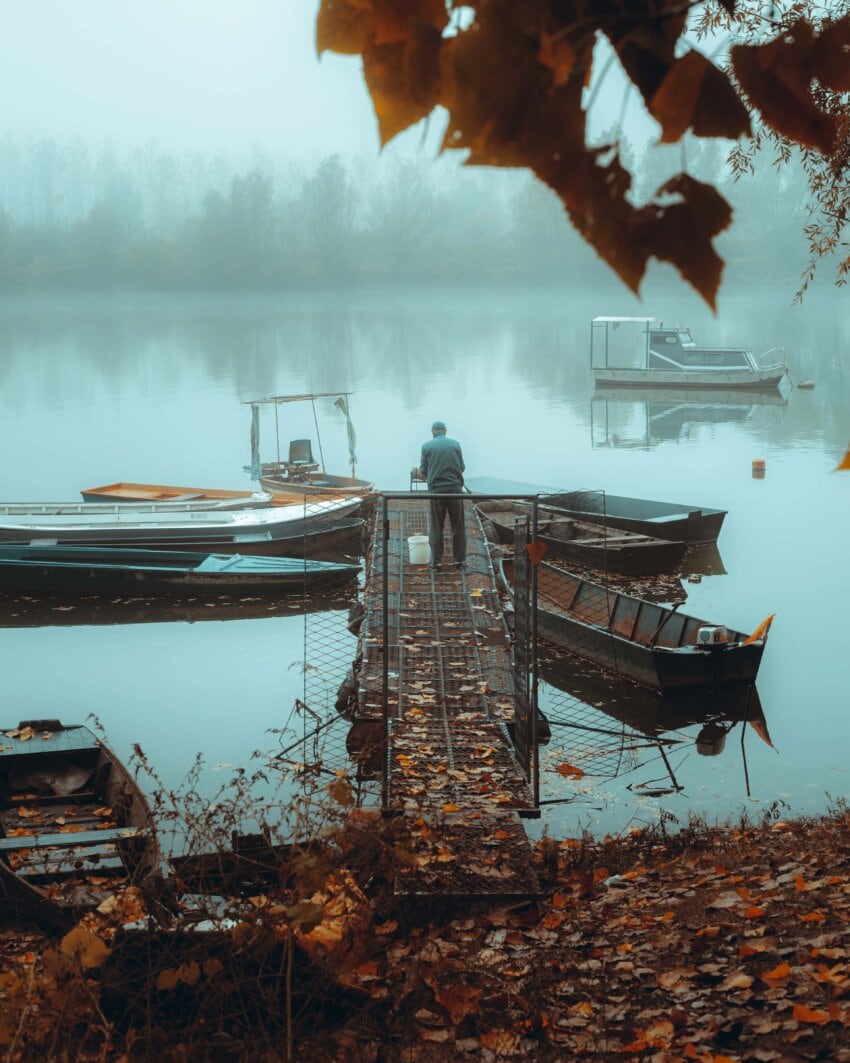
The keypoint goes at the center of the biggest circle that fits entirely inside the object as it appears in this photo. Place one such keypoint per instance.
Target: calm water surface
(99, 389)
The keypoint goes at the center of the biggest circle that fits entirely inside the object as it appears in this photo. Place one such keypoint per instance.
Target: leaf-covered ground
(711, 945)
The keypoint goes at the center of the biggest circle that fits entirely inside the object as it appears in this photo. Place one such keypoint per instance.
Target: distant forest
(75, 217)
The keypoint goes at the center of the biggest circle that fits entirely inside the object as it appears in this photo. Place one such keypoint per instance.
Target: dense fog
(88, 215)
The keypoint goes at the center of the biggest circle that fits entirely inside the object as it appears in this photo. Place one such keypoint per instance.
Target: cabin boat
(298, 470)
(651, 644)
(641, 352)
(287, 531)
(591, 545)
(113, 570)
(74, 824)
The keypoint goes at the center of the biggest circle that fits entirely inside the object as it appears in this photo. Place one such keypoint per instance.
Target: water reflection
(614, 729)
(635, 418)
(26, 611)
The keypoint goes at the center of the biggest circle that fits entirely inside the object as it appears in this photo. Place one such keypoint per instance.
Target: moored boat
(577, 542)
(199, 497)
(675, 521)
(288, 531)
(641, 352)
(300, 472)
(74, 824)
(665, 520)
(70, 569)
(649, 643)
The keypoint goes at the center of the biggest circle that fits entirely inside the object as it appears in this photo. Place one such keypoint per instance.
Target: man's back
(441, 464)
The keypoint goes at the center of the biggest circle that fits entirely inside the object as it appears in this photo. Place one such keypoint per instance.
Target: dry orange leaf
(813, 917)
(570, 771)
(802, 1013)
(782, 970)
(755, 912)
(451, 808)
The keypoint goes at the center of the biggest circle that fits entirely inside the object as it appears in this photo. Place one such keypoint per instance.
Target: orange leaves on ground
(570, 771)
(777, 974)
(813, 917)
(737, 980)
(459, 1001)
(778, 79)
(802, 1013)
(755, 912)
(84, 946)
(449, 808)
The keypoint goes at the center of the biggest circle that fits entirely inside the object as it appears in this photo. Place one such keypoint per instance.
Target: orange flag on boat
(760, 728)
(760, 632)
(844, 464)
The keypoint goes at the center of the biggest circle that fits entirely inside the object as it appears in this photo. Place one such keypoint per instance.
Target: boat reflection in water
(628, 417)
(614, 728)
(25, 610)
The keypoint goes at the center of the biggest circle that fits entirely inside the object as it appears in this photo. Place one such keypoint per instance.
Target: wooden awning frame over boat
(279, 400)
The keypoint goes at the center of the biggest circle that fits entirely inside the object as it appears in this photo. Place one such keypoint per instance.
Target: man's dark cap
(438, 426)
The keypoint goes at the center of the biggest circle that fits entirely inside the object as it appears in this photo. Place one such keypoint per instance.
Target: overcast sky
(223, 75)
(216, 74)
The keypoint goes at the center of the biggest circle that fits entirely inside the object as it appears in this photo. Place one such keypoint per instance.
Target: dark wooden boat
(74, 825)
(665, 520)
(643, 641)
(585, 544)
(67, 569)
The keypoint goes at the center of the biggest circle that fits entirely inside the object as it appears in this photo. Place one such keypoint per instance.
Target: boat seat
(301, 456)
(74, 838)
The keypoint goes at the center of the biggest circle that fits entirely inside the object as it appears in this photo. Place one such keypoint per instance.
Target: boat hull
(47, 876)
(198, 496)
(648, 643)
(592, 547)
(735, 379)
(68, 570)
(665, 520)
(319, 484)
(316, 537)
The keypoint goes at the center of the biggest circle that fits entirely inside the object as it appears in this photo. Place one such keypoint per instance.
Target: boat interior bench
(75, 838)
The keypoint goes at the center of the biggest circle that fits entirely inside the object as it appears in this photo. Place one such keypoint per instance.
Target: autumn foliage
(512, 76)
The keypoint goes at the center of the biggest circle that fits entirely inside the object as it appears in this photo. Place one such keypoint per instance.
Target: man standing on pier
(441, 464)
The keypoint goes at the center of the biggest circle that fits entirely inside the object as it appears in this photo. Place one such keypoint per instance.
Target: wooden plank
(72, 838)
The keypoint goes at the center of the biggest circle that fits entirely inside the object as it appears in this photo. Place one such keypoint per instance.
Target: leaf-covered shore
(717, 943)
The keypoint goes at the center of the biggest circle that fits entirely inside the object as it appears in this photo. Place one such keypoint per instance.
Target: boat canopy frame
(279, 400)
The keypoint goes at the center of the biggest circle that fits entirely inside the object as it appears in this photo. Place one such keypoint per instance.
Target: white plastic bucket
(418, 549)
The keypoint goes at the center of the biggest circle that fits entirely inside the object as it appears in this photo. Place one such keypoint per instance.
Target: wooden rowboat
(643, 641)
(74, 825)
(584, 544)
(102, 570)
(199, 496)
(666, 520)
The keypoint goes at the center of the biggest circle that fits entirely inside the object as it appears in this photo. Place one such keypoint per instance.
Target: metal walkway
(450, 759)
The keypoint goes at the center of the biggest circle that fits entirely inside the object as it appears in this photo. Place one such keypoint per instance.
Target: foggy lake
(98, 389)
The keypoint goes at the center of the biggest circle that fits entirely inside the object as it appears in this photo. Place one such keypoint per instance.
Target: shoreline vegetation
(717, 943)
(77, 217)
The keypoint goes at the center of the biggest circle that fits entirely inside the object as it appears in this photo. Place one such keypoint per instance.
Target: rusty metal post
(385, 678)
(535, 736)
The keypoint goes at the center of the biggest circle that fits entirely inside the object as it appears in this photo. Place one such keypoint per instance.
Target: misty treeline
(75, 217)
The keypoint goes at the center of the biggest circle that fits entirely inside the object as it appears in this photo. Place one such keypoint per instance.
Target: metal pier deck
(450, 759)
